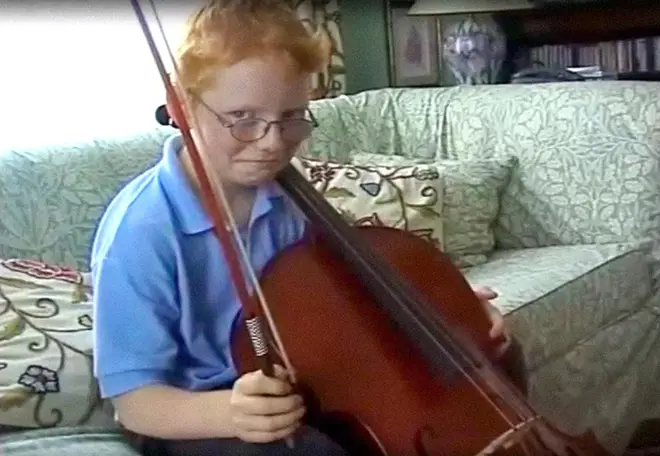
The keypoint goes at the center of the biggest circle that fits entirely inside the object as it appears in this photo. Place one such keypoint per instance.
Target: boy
(164, 306)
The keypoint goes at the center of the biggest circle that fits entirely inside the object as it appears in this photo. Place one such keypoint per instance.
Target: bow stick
(215, 202)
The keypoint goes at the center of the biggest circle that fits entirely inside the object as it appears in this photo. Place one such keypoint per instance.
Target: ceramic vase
(473, 50)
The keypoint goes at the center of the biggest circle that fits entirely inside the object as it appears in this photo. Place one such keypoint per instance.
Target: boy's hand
(499, 330)
(265, 409)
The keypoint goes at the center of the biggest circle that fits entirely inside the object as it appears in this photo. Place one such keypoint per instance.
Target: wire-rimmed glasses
(292, 129)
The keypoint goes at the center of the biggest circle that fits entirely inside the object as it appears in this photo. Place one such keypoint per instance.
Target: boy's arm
(170, 413)
(136, 315)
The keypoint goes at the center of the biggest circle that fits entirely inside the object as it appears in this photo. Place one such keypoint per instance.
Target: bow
(216, 205)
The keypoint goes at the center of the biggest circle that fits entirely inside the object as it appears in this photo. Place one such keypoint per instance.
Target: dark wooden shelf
(582, 24)
(640, 76)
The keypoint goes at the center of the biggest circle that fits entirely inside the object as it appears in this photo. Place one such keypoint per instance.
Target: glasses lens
(249, 129)
(292, 130)
(296, 129)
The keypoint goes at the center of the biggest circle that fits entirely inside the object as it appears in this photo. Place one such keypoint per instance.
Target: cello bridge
(510, 437)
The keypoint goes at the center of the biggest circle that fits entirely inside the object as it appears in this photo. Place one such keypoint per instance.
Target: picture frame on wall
(413, 46)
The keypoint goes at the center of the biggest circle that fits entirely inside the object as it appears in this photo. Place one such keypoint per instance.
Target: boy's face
(254, 91)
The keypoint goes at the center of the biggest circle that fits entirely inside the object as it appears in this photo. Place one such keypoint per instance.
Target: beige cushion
(46, 347)
(404, 197)
(470, 202)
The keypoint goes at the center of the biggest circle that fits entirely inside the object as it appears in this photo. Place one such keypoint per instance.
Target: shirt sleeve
(135, 312)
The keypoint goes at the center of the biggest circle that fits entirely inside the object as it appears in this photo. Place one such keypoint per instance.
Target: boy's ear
(163, 117)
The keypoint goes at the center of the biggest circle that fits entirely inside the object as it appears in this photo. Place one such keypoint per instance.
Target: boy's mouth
(261, 161)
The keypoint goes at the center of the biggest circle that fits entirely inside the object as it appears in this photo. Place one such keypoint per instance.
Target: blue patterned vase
(473, 50)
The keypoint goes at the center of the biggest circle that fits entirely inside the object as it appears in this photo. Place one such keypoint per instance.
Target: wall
(364, 33)
(360, 54)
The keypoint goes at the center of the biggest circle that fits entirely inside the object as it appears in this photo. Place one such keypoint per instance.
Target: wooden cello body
(355, 361)
(369, 386)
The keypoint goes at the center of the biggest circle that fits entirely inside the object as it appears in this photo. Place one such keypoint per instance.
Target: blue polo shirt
(164, 303)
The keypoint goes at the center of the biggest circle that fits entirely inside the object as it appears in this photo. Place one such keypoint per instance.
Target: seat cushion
(84, 441)
(554, 297)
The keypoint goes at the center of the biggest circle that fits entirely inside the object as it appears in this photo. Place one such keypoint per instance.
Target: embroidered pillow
(46, 345)
(404, 197)
(471, 203)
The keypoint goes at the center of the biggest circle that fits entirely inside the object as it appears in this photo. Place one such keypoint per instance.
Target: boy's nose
(272, 141)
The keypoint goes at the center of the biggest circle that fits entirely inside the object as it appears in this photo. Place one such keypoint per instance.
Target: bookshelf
(622, 39)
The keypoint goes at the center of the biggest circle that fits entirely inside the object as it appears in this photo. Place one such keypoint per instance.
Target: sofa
(547, 193)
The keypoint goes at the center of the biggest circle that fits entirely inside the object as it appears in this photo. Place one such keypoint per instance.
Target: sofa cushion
(78, 441)
(471, 201)
(46, 344)
(404, 197)
(555, 297)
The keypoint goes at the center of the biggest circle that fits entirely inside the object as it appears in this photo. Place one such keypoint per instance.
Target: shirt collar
(186, 205)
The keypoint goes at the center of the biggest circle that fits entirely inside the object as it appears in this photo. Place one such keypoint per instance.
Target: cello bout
(345, 429)
(353, 435)
(368, 387)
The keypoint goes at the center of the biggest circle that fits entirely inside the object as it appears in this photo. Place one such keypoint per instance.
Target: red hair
(225, 32)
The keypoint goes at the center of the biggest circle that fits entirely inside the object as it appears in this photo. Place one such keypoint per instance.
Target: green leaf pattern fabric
(78, 441)
(52, 198)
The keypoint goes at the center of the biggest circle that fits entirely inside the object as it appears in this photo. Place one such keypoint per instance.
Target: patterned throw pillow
(46, 347)
(471, 203)
(404, 197)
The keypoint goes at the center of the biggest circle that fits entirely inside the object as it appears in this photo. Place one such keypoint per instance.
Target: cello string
(377, 272)
(232, 227)
(369, 261)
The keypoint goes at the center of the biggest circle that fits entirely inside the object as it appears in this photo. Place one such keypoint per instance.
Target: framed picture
(413, 49)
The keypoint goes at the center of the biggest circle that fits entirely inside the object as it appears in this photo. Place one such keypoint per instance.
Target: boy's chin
(257, 178)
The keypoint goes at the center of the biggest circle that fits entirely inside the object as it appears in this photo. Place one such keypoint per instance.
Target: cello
(392, 358)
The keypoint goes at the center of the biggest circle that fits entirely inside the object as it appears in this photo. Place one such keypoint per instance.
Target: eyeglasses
(248, 130)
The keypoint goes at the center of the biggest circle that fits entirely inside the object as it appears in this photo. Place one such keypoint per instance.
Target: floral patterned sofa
(548, 193)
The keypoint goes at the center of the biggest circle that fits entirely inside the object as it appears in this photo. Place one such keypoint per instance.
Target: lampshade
(422, 7)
